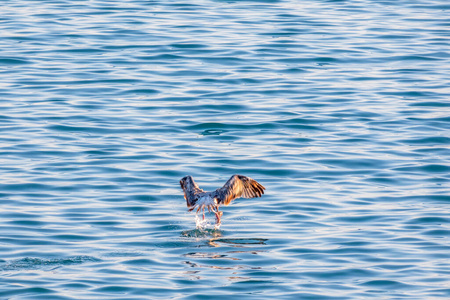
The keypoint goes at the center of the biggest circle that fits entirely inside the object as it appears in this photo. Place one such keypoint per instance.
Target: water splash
(204, 228)
(203, 224)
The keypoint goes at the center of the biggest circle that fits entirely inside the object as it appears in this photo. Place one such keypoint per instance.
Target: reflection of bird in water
(237, 186)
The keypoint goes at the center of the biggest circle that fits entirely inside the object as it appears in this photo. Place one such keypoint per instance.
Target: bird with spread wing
(237, 186)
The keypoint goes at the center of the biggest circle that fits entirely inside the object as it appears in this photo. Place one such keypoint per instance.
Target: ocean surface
(341, 109)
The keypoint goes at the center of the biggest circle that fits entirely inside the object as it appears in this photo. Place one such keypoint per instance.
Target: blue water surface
(341, 109)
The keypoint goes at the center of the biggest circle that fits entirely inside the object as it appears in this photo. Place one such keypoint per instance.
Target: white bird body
(237, 186)
(204, 200)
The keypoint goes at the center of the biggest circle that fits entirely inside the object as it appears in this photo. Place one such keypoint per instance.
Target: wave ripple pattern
(339, 108)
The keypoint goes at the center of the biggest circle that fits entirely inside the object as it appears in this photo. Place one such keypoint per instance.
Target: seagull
(237, 186)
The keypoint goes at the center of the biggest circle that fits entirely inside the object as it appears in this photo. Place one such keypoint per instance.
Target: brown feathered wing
(191, 190)
(239, 186)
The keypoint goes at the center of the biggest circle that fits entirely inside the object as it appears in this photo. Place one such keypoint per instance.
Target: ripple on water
(33, 263)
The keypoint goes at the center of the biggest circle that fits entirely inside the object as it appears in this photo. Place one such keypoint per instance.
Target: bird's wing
(191, 190)
(239, 186)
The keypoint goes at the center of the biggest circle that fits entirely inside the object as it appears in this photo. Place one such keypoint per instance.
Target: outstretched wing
(239, 186)
(191, 190)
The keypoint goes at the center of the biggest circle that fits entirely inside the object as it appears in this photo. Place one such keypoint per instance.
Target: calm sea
(341, 109)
